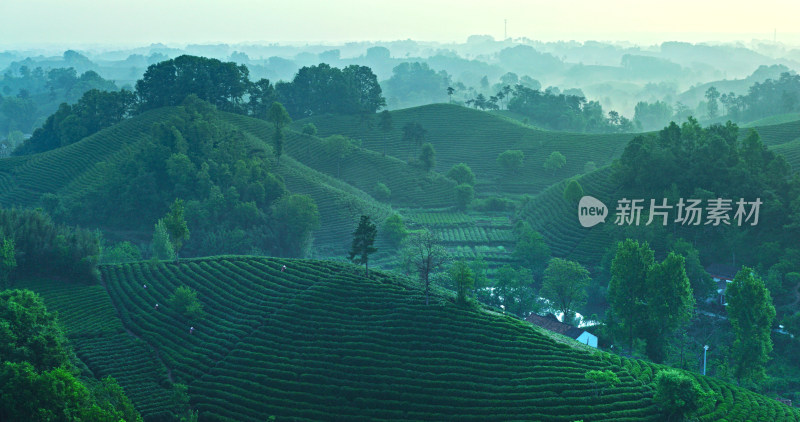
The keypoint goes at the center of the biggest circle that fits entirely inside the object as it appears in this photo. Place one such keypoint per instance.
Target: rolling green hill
(72, 170)
(321, 342)
(773, 120)
(557, 220)
(363, 168)
(460, 134)
(791, 151)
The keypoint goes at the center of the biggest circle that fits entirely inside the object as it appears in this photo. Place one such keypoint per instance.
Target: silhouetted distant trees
(314, 90)
(560, 112)
(768, 98)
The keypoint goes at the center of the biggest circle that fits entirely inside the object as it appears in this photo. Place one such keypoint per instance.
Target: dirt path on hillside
(134, 335)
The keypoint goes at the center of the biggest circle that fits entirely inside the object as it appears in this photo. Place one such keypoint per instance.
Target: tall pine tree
(363, 238)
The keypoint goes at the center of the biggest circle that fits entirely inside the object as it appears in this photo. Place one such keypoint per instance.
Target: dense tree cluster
(168, 83)
(771, 97)
(224, 177)
(652, 116)
(28, 95)
(689, 161)
(38, 381)
(565, 112)
(414, 83)
(648, 299)
(43, 247)
(324, 89)
(95, 110)
(314, 90)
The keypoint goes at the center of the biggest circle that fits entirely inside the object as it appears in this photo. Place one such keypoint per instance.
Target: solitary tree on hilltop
(678, 394)
(713, 106)
(339, 147)
(450, 92)
(462, 276)
(414, 134)
(363, 239)
(511, 160)
(427, 157)
(461, 173)
(161, 246)
(278, 115)
(573, 192)
(175, 224)
(425, 254)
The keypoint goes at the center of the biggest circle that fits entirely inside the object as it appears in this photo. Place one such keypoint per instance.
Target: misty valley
(484, 230)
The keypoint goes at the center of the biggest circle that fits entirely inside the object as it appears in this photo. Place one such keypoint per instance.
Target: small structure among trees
(551, 323)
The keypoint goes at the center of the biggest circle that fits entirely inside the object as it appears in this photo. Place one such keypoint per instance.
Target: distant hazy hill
(319, 341)
(694, 95)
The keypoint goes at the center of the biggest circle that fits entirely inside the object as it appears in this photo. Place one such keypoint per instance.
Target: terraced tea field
(73, 167)
(557, 220)
(362, 168)
(460, 134)
(100, 341)
(467, 236)
(791, 151)
(319, 342)
(777, 134)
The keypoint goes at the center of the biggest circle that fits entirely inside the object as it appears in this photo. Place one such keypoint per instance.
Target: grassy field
(320, 341)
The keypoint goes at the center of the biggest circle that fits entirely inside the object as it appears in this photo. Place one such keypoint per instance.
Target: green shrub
(382, 192)
(511, 160)
(394, 230)
(573, 192)
(462, 174)
(464, 195)
(185, 302)
(494, 203)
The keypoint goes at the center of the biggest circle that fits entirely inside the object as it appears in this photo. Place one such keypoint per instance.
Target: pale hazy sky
(25, 23)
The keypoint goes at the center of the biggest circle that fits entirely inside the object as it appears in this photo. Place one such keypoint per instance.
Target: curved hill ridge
(71, 170)
(461, 134)
(319, 341)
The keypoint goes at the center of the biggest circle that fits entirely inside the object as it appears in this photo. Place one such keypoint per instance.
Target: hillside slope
(361, 168)
(73, 170)
(320, 342)
(460, 134)
(557, 219)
